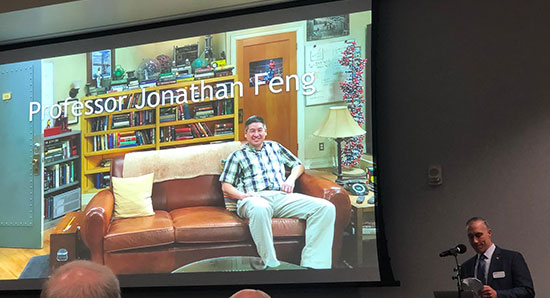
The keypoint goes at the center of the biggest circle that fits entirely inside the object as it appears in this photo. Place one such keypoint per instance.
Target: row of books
(124, 139)
(209, 72)
(189, 131)
(131, 119)
(194, 130)
(221, 129)
(166, 78)
(215, 108)
(57, 149)
(58, 175)
(102, 180)
(136, 99)
(59, 204)
(48, 208)
(135, 118)
(167, 114)
(203, 110)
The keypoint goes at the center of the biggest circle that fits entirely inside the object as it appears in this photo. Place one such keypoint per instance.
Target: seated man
(81, 279)
(255, 176)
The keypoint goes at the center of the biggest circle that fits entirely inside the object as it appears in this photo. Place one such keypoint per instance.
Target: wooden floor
(13, 260)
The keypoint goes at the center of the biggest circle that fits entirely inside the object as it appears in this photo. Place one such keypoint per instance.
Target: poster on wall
(265, 69)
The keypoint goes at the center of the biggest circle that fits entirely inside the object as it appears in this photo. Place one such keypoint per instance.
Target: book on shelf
(204, 73)
(105, 163)
(120, 124)
(186, 112)
(194, 131)
(223, 125)
(184, 78)
(161, 83)
(223, 71)
(58, 175)
(183, 129)
(119, 87)
(122, 143)
(147, 83)
(223, 129)
(133, 84)
(103, 180)
(127, 145)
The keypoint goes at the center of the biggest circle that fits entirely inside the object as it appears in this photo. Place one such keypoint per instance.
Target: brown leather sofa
(191, 224)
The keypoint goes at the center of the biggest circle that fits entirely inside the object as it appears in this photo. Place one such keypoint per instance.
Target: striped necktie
(481, 269)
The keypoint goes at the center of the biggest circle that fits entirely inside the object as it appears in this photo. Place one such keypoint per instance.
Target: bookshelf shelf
(62, 174)
(198, 140)
(119, 150)
(97, 170)
(62, 187)
(125, 129)
(125, 111)
(61, 161)
(189, 121)
(165, 126)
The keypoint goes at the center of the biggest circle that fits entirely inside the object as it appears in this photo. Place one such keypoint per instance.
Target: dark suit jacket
(517, 282)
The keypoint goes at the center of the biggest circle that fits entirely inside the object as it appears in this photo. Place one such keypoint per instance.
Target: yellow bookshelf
(101, 133)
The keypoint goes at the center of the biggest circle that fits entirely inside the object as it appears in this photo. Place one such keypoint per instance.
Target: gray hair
(477, 218)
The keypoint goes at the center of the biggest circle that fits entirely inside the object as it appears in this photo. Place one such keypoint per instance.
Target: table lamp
(339, 125)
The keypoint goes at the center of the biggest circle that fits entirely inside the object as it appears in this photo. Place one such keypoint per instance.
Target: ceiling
(30, 20)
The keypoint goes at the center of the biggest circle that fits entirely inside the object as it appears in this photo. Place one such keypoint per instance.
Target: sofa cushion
(133, 196)
(140, 232)
(206, 224)
(288, 227)
(214, 224)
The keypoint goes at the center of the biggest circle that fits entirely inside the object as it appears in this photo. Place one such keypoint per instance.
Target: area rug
(37, 267)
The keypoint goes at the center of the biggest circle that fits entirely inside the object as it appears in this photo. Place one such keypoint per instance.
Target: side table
(64, 242)
(359, 214)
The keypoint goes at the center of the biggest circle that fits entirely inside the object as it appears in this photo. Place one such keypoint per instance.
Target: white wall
(58, 75)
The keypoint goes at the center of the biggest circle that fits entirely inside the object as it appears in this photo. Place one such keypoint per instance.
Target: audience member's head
(81, 279)
(250, 293)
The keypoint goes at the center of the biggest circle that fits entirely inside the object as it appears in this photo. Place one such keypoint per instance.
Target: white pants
(318, 213)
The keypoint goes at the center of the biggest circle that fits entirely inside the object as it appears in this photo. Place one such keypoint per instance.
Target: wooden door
(278, 109)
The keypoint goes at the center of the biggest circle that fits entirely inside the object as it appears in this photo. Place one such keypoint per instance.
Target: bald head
(82, 279)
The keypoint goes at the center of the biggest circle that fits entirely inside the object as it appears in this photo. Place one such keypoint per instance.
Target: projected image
(149, 165)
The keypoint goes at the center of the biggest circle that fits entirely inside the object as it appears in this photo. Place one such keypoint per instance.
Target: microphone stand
(458, 278)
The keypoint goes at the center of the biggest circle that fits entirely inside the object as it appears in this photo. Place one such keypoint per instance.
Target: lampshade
(339, 124)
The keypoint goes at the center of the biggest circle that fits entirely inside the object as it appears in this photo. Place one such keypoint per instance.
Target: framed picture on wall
(270, 67)
(327, 27)
(100, 65)
(72, 119)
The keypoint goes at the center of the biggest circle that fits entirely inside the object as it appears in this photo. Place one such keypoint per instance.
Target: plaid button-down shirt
(251, 170)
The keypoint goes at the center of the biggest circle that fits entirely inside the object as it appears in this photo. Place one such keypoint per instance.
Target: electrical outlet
(321, 146)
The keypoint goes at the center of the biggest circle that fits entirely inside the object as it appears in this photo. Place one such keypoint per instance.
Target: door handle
(36, 159)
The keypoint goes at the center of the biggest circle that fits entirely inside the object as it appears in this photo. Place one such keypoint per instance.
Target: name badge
(499, 274)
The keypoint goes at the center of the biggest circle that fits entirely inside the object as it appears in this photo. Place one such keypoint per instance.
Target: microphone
(459, 249)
